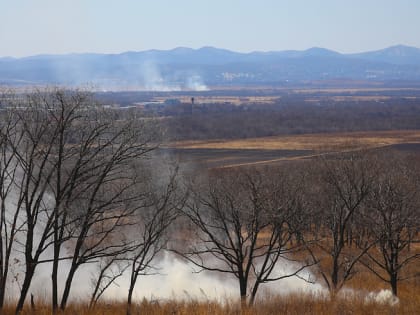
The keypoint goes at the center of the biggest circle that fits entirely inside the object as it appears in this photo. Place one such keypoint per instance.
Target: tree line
(79, 185)
(72, 183)
(288, 115)
(331, 216)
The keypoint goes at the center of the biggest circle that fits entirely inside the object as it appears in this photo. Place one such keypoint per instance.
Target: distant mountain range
(196, 69)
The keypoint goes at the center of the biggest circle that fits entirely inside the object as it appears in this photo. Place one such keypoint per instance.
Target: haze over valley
(197, 69)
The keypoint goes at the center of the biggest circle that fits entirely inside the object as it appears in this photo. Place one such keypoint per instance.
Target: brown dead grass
(298, 303)
(317, 142)
(351, 300)
(351, 90)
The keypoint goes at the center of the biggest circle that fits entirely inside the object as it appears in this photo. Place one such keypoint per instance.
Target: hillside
(195, 69)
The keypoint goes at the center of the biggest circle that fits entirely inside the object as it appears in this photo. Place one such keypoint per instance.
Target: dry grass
(290, 304)
(352, 301)
(359, 98)
(317, 142)
(351, 90)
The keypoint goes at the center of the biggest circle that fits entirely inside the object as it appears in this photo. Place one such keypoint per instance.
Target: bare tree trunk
(253, 294)
(94, 297)
(67, 287)
(243, 289)
(30, 270)
(54, 274)
(33, 304)
(130, 297)
(334, 276)
(3, 285)
(394, 283)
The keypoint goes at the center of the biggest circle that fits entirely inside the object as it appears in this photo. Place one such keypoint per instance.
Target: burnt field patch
(413, 148)
(216, 158)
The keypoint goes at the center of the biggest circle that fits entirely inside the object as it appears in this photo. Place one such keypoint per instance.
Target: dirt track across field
(267, 150)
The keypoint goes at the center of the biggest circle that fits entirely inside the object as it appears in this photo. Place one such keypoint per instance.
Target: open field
(236, 100)
(357, 90)
(228, 153)
(318, 142)
(214, 158)
(352, 91)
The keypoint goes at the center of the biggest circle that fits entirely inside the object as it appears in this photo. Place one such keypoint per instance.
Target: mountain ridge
(182, 67)
(397, 50)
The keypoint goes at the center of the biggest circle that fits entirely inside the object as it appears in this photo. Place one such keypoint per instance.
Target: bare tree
(245, 226)
(72, 180)
(110, 269)
(338, 194)
(33, 154)
(108, 201)
(153, 219)
(10, 223)
(392, 220)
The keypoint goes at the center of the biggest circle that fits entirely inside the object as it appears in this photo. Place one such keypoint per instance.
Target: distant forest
(292, 114)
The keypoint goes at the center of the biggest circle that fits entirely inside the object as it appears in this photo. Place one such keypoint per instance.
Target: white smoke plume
(153, 80)
(195, 83)
(177, 279)
(304, 282)
(173, 279)
(384, 297)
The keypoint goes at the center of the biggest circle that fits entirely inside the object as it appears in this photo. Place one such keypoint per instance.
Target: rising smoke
(384, 297)
(154, 80)
(172, 278)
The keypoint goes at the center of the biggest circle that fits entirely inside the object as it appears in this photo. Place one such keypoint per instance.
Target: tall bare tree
(342, 185)
(73, 164)
(245, 226)
(153, 220)
(108, 199)
(392, 220)
(33, 154)
(10, 219)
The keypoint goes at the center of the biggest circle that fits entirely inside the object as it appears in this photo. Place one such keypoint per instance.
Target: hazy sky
(30, 27)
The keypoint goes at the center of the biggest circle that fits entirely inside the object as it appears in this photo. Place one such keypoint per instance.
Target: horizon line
(203, 47)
